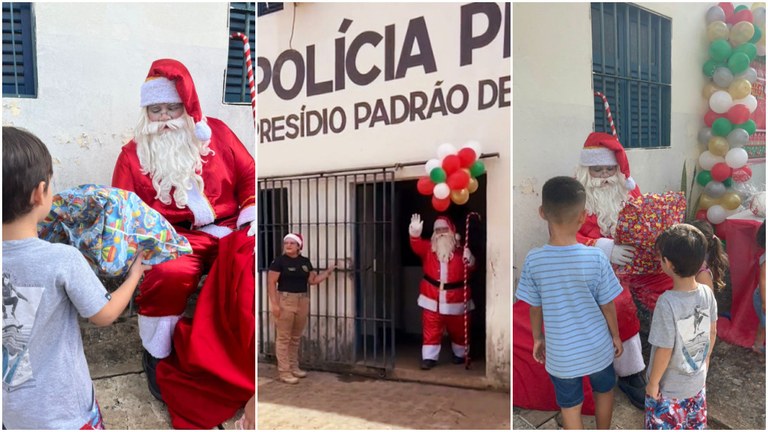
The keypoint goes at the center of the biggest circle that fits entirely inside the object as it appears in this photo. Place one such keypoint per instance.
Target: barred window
(268, 7)
(242, 18)
(19, 68)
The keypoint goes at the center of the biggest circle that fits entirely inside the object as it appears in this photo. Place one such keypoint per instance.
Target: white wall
(318, 24)
(553, 105)
(91, 61)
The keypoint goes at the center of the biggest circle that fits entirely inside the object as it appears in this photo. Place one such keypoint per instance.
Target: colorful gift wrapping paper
(108, 225)
(642, 220)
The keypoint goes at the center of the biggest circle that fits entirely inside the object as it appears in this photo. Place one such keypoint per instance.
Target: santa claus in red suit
(199, 176)
(442, 288)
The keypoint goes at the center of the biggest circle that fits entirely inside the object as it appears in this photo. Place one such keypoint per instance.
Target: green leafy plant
(690, 203)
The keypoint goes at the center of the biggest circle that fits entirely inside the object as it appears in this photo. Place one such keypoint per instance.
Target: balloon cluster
(452, 176)
(737, 37)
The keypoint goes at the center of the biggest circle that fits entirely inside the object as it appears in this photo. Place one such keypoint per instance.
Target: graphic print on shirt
(20, 305)
(694, 332)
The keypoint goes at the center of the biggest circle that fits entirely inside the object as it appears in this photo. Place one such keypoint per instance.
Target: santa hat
(444, 222)
(602, 149)
(169, 81)
(295, 237)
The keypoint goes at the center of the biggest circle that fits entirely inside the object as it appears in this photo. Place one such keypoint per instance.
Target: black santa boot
(634, 387)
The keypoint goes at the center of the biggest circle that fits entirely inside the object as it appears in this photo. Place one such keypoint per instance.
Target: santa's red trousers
(433, 325)
(212, 371)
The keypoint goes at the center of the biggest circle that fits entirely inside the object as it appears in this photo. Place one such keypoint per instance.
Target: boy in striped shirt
(571, 287)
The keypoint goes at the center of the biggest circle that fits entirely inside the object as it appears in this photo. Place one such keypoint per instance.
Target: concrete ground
(327, 400)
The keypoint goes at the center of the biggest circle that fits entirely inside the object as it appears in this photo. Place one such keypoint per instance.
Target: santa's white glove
(469, 259)
(416, 226)
(252, 229)
(617, 254)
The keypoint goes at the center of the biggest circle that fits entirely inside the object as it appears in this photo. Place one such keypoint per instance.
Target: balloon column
(452, 176)
(736, 37)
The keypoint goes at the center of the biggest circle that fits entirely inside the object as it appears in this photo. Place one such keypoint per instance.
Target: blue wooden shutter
(242, 18)
(18, 51)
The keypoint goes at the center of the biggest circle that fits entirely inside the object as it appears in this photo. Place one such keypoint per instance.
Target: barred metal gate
(345, 218)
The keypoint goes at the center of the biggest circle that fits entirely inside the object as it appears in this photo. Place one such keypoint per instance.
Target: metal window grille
(346, 218)
(19, 69)
(269, 7)
(241, 19)
(631, 65)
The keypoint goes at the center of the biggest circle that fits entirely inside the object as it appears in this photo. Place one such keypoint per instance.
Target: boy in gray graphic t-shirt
(682, 335)
(46, 384)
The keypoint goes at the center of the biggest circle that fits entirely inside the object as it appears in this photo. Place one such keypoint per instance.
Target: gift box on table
(108, 225)
(640, 221)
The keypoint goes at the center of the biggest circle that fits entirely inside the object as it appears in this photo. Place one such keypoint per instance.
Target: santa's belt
(447, 286)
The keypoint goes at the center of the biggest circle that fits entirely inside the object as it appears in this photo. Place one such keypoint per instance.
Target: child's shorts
(96, 421)
(669, 413)
(569, 392)
(757, 302)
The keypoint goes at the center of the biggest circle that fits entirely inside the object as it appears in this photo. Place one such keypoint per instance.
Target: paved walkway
(326, 400)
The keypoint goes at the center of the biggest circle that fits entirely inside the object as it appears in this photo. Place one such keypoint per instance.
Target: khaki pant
(294, 311)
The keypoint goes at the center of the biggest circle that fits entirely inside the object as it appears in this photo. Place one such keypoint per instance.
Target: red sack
(642, 220)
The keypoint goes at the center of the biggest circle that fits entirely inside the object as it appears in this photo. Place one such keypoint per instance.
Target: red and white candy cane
(249, 66)
(607, 111)
(466, 289)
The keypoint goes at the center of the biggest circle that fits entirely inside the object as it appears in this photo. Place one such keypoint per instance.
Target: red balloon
(742, 174)
(425, 186)
(701, 215)
(458, 180)
(467, 157)
(710, 117)
(743, 15)
(738, 114)
(728, 9)
(441, 205)
(721, 171)
(451, 163)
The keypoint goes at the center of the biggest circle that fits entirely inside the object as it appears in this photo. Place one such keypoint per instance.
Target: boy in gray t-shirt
(46, 384)
(682, 335)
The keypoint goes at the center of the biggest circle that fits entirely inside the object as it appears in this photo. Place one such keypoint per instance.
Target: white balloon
(750, 102)
(474, 145)
(720, 101)
(761, 50)
(444, 150)
(736, 158)
(707, 160)
(716, 214)
(431, 164)
(441, 191)
(750, 75)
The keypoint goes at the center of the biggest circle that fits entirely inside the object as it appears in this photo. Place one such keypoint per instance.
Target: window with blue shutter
(242, 18)
(19, 69)
(631, 65)
(267, 7)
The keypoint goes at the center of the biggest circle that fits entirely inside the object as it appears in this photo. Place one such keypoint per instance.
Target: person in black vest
(289, 277)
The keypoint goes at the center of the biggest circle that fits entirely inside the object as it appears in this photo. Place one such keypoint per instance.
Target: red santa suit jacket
(450, 300)
(229, 176)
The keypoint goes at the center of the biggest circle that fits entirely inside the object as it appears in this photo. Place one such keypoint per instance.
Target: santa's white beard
(172, 157)
(443, 246)
(605, 198)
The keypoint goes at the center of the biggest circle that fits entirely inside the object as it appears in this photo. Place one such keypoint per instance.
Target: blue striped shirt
(569, 283)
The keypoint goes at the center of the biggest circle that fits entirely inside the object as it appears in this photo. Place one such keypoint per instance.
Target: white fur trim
(294, 237)
(441, 223)
(606, 245)
(630, 184)
(159, 90)
(458, 350)
(631, 360)
(430, 352)
(455, 308)
(443, 272)
(216, 230)
(427, 303)
(199, 206)
(202, 131)
(157, 334)
(247, 215)
(599, 156)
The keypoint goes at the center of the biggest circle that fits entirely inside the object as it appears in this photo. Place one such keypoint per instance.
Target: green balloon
(740, 7)
(757, 36)
(722, 127)
(747, 48)
(477, 169)
(704, 177)
(728, 182)
(437, 175)
(738, 62)
(748, 126)
(720, 50)
(709, 67)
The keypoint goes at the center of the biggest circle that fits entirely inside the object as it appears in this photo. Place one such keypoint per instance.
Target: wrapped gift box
(108, 225)
(640, 221)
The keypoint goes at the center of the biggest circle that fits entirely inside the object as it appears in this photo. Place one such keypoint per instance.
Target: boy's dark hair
(684, 246)
(562, 198)
(26, 162)
(761, 235)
